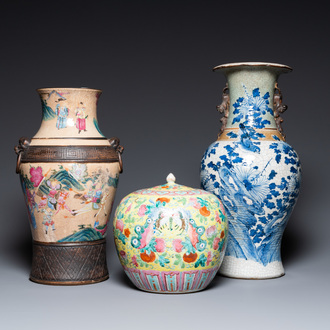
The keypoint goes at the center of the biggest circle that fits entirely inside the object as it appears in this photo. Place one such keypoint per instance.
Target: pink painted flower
(216, 243)
(210, 231)
(129, 208)
(209, 257)
(146, 236)
(217, 218)
(160, 245)
(194, 203)
(142, 210)
(120, 225)
(135, 261)
(192, 235)
(123, 254)
(177, 245)
(36, 175)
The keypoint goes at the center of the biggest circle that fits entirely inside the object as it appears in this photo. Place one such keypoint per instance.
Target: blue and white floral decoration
(258, 183)
(250, 110)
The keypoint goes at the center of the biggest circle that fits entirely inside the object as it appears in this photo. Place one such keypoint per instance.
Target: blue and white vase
(251, 168)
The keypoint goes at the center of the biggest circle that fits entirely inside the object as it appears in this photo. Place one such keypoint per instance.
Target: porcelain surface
(255, 173)
(68, 201)
(170, 238)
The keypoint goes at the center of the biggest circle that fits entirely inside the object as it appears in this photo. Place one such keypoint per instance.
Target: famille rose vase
(170, 238)
(251, 168)
(69, 174)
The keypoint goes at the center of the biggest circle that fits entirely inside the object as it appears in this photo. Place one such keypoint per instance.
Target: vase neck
(251, 92)
(69, 113)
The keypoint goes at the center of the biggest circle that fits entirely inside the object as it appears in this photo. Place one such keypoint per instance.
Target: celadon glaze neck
(251, 90)
(68, 113)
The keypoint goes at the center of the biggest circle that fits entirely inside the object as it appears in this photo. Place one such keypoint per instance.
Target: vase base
(250, 270)
(75, 263)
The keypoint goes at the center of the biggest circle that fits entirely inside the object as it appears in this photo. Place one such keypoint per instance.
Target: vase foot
(73, 263)
(171, 282)
(248, 269)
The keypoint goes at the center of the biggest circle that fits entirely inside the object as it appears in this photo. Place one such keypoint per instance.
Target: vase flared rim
(281, 67)
(78, 89)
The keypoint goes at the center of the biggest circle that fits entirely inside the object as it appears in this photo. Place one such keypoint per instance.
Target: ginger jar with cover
(170, 238)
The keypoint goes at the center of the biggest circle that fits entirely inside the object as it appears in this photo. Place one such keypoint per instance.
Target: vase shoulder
(241, 133)
(70, 141)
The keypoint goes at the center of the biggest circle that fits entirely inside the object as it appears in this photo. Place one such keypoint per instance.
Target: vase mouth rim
(283, 68)
(50, 89)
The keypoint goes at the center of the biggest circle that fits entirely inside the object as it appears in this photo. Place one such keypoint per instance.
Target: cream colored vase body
(69, 173)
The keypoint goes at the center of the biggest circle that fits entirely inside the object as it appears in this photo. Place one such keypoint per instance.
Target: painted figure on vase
(81, 117)
(48, 219)
(62, 113)
(69, 194)
(47, 112)
(91, 200)
(63, 196)
(54, 188)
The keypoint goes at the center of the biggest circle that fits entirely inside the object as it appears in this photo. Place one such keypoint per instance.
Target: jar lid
(171, 189)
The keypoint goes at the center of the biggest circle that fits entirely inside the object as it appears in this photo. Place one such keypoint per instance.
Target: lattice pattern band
(69, 154)
(69, 263)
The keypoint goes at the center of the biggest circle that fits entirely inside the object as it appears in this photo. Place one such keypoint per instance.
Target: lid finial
(170, 178)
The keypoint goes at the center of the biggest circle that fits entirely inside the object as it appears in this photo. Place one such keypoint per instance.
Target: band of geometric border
(69, 154)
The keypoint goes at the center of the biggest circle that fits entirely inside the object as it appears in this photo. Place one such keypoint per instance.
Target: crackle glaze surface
(170, 238)
(69, 202)
(69, 113)
(255, 174)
